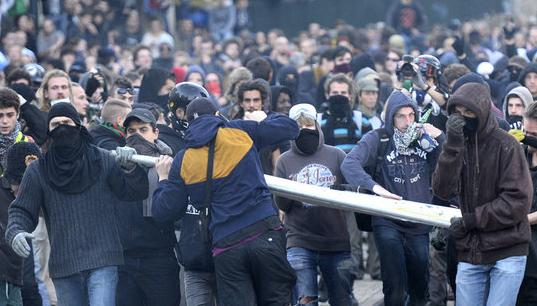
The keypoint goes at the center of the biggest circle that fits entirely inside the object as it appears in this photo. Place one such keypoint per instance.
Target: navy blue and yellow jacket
(240, 194)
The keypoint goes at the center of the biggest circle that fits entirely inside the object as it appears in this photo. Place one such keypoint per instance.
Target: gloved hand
(454, 126)
(518, 134)
(457, 229)
(124, 157)
(458, 46)
(20, 244)
(419, 81)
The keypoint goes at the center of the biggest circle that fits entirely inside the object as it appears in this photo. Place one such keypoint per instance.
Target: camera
(406, 70)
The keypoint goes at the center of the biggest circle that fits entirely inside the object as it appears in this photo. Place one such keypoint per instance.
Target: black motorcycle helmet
(180, 96)
(429, 66)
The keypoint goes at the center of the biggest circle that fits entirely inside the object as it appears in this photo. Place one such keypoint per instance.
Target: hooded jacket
(531, 67)
(489, 174)
(140, 235)
(407, 176)
(240, 196)
(522, 93)
(312, 227)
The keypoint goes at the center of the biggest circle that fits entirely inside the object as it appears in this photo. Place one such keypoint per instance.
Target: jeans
(494, 284)
(10, 295)
(95, 287)
(255, 273)
(200, 288)
(404, 267)
(149, 281)
(334, 267)
(438, 277)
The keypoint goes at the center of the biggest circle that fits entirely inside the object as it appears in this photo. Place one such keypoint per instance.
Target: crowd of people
(402, 109)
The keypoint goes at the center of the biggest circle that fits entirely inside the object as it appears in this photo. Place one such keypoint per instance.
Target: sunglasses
(123, 90)
(392, 59)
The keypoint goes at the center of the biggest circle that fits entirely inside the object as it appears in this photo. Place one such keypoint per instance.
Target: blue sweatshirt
(240, 194)
(406, 175)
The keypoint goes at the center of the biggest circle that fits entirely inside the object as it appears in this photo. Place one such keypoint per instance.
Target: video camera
(406, 71)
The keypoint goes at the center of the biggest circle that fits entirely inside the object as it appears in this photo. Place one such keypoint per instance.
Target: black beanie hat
(17, 160)
(63, 109)
(198, 107)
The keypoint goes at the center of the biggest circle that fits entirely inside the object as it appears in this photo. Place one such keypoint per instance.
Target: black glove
(455, 126)
(25, 91)
(457, 229)
(439, 238)
(458, 45)
(530, 141)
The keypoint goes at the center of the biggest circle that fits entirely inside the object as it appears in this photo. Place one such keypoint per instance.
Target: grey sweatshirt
(313, 227)
(82, 227)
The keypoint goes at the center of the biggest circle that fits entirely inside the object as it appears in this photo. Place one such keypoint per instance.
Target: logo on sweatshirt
(316, 174)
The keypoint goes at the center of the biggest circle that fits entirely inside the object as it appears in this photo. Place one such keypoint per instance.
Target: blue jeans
(95, 287)
(10, 295)
(404, 260)
(335, 268)
(493, 284)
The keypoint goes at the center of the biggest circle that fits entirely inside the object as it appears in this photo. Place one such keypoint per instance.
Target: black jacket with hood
(487, 170)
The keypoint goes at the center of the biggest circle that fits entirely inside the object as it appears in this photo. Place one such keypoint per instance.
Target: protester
(404, 173)
(75, 171)
(150, 273)
(308, 247)
(494, 203)
(248, 270)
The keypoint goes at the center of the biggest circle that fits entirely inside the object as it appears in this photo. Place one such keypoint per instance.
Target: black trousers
(149, 281)
(255, 273)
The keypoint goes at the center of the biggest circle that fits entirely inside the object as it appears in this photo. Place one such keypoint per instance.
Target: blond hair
(44, 103)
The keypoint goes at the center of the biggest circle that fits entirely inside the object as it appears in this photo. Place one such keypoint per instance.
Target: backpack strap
(384, 139)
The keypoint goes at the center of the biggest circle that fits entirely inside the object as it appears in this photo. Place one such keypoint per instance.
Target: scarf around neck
(403, 140)
(7, 141)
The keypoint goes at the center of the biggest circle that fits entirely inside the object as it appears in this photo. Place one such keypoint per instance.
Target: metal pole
(350, 201)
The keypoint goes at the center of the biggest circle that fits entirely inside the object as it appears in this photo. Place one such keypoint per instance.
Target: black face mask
(515, 122)
(65, 137)
(162, 100)
(342, 68)
(71, 164)
(339, 106)
(514, 119)
(470, 125)
(308, 141)
(141, 145)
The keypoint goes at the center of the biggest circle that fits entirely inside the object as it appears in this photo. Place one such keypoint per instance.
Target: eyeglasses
(391, 59)
(124, 90)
